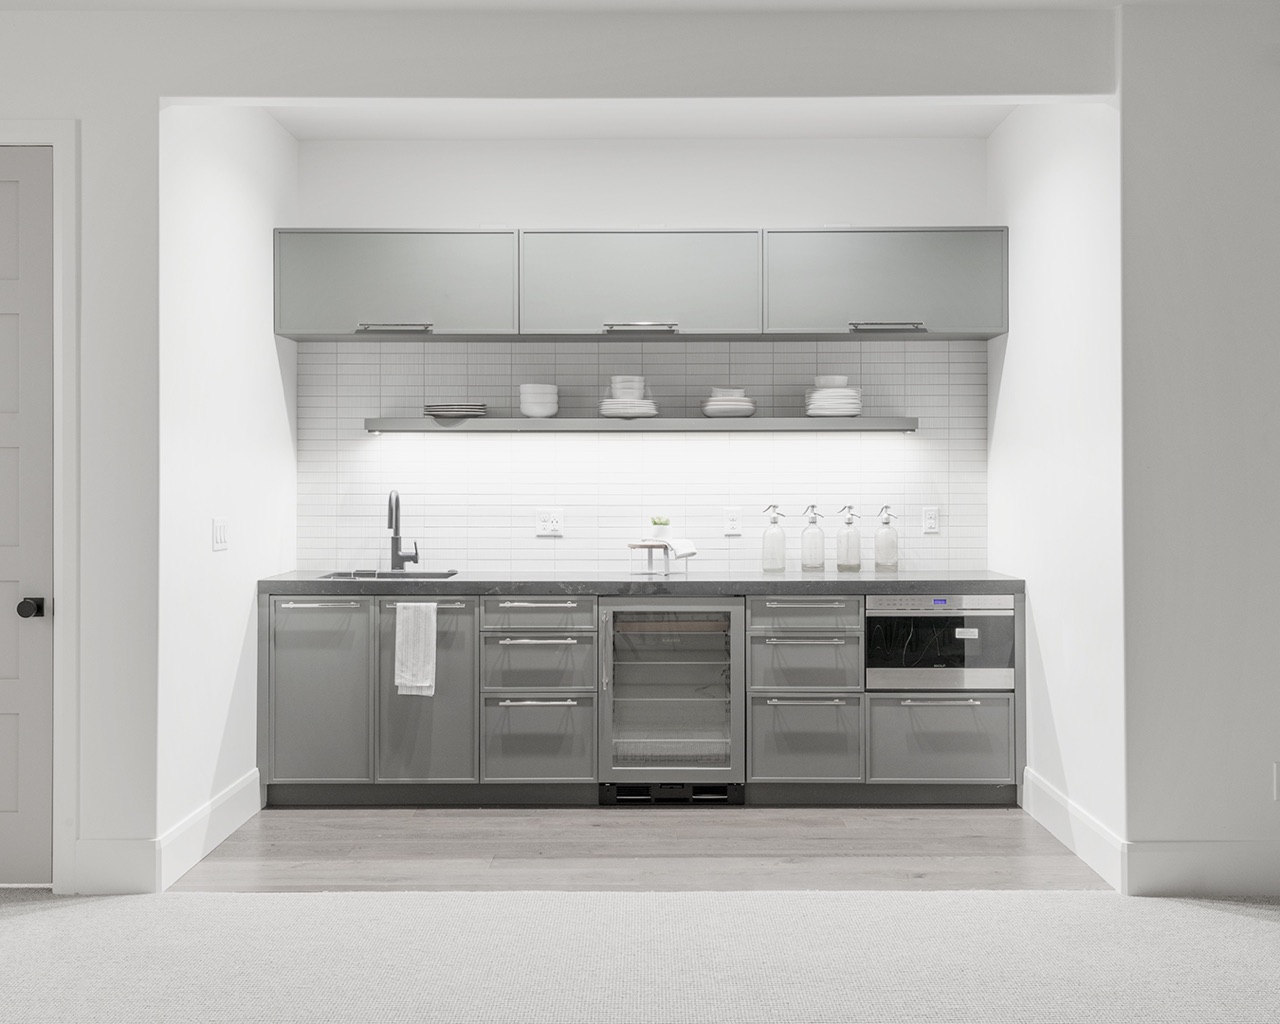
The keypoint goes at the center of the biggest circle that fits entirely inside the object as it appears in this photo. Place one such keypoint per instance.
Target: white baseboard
(115, 866)
(189, 841)
(1074, 827)
(1203, 868)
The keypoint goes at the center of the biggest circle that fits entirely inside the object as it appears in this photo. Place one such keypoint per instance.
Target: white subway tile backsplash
(469, 500)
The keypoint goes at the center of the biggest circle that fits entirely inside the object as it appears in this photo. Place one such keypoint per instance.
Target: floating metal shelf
(424, 424)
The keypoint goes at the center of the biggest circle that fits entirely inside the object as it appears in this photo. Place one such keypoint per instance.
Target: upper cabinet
(593, 282)
(941, 282)
(395, 283)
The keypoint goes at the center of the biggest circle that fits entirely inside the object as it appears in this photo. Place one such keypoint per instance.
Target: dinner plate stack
(627, 408)
(455, 410)
(728, 401)
(833, 402)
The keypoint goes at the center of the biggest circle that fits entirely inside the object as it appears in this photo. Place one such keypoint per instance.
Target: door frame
(64, 138)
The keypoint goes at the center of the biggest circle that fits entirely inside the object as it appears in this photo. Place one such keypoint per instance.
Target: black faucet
(398, 557)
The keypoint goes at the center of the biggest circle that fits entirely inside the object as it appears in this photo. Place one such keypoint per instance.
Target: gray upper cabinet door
(331, 282)
(430, 739)
(952, 281)
(577, 282)
(321, 671)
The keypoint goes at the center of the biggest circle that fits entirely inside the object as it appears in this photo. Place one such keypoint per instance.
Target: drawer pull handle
(438, 604)
(776, 640)
(944, 703)
(425, 327)
(321, 604)
(507, 641)
(538, 604)
(807, 703)
(789, 604)
(537, 703)
(886, 325)
(641, 325)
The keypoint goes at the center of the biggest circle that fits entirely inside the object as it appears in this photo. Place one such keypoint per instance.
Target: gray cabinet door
(539, 737)
(331, 282)
(576, 282)
(430, 739)
(952, 281)
(804, 612)
(804, 661)
(537, 611)
(929, 737)
(538, 661)
(805, 737)
(321, 671)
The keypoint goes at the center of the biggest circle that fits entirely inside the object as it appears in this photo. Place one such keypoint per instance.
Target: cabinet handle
(792, 604)
(776, 640)
(537, 703)
(944, 703)
(807, 703)
(425, 328)
(538, 604)
(886, 325)
(322, 604)
(671, 326)
(506, 640)
(438, 604)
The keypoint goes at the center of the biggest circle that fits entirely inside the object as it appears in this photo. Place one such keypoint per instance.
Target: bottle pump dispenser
(849, 543)
(774, 548)
(886, 541)
(813, 543)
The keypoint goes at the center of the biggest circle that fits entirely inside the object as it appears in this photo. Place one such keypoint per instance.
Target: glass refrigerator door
(671, 690)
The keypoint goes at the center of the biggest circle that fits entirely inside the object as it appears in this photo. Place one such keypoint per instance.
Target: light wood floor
(640, 848)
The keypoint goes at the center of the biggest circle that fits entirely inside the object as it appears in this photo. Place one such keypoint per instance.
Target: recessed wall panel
(8, 362)
(8, 763)
(8, 497)
(8, 630)
(8, 230)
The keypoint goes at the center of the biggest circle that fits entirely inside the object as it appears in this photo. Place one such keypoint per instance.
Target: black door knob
(31, 607)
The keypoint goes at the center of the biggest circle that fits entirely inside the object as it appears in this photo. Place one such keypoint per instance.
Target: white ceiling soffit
(703, 118)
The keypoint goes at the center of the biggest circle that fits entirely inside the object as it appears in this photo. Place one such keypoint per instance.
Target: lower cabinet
(532, 737)
(430, 739)
(805, 737)
(932, 737)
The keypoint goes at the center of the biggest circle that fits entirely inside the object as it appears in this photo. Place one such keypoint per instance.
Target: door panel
(26, 513)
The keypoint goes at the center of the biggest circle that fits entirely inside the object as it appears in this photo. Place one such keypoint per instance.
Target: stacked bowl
(830, 397)
(539, 400)
(627, 399)
(728, 401)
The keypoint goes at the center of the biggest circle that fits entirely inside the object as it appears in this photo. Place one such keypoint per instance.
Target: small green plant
(659, 520)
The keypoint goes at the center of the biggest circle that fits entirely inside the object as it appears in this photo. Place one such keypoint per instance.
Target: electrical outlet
(930, 519)
(220, 542)
(549, 522)
(732, 521)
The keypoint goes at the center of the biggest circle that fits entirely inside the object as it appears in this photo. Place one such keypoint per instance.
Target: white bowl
(627, 391)
(831, 380)
(531, 390)
(728, 392)
(539, 410)
(626, 378)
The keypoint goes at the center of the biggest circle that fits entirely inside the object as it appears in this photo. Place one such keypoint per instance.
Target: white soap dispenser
(886, 541)
(813, 543)
(774, 547)
(849, 543)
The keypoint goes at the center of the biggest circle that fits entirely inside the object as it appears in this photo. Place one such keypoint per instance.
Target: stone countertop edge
(484, 584)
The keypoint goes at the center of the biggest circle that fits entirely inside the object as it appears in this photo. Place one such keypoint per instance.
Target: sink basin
(389, 574)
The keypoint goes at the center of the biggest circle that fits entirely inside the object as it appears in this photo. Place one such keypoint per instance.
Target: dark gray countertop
(695, 584)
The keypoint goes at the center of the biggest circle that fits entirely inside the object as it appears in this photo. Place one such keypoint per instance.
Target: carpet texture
(604, 957)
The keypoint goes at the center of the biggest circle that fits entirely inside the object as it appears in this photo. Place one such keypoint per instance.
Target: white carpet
(600, 957)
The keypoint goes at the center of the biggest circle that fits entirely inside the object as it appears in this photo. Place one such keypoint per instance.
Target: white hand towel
(681, 548)
(416, 648)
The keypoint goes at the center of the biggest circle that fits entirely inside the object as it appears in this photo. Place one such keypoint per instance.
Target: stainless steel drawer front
(806, 738)
(813, 613)
(514, 661)
(940, 679)
(804, 662)
(551, 612)
(539, 739)
(919, 737)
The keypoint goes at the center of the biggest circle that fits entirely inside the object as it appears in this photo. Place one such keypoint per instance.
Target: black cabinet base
(613, 794)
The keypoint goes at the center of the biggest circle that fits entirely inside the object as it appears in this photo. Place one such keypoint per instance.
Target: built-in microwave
(940, 642)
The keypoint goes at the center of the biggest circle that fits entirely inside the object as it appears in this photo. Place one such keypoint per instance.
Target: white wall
(108, 72)
(1055, 461)
(227, 450)
(1201, 159)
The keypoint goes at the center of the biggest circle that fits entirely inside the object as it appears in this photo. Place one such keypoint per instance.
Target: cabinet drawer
(806, 661)
(539, 738)
(804, 613)
(536, 661)
(548, 612)
(797, 737)
(925, 737)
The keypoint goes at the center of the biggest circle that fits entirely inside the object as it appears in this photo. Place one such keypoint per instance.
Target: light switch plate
(220, 541)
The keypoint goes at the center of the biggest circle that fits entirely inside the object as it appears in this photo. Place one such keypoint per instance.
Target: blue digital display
(939, 600)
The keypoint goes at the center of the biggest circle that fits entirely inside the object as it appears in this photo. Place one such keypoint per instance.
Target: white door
(26, 514)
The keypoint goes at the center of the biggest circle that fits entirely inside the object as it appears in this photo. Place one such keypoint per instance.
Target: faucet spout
(393, 513)
(399, 557)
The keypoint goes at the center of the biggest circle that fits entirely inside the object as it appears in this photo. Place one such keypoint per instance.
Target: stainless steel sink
(389, 574)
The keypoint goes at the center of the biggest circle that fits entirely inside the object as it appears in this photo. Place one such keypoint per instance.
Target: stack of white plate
(627, 408)
(728, 401)
(833, 402)
(455, 410)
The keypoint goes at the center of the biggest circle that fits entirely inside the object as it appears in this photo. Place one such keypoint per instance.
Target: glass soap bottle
(773, 556)
(813, 543)
(886, 541)
(849, 543)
